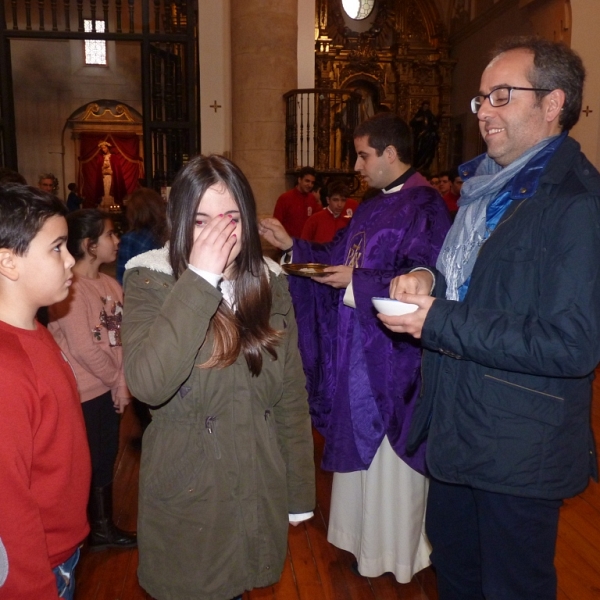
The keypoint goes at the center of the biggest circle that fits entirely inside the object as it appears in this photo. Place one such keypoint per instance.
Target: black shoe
(104, 533)
(107, 535)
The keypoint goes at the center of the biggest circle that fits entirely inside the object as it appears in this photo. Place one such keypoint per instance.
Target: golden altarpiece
(396, 59)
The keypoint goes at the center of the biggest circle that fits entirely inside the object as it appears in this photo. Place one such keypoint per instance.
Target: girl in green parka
(210, 341)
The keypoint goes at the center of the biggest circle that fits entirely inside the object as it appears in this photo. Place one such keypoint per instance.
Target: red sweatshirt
(323, 226)
(293, 209)
(44, 462)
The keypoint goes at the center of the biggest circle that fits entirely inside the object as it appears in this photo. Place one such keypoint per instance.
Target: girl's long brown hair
(246, 328)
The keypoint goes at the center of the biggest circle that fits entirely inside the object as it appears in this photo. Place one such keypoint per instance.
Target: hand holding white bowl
(393, 308)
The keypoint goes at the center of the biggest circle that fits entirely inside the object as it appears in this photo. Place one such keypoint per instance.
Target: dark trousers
(102, 427)
(489, 546)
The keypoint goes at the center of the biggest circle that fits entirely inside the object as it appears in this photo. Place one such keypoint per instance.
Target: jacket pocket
(523, 401)
(516, 445)
(173, 462)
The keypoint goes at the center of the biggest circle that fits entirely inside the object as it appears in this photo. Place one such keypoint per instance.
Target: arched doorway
(49, 41)
(106, 131)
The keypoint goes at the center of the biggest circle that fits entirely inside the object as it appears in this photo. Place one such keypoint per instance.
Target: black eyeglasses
(500, 96)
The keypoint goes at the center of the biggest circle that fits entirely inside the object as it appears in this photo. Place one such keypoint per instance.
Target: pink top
(87, 327)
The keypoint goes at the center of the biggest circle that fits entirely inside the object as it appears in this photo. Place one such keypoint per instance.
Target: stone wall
(50, 83)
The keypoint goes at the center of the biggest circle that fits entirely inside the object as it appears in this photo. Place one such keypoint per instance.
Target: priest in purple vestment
(362, 379)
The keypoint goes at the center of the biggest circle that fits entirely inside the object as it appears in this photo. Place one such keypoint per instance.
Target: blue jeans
(65, 576)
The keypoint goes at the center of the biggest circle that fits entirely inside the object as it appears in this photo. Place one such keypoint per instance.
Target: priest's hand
(412, 323)
(274, 233)
(339, 276)
(416, 282)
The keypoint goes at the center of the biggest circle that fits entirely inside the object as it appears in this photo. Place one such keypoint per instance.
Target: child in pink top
(87, 327)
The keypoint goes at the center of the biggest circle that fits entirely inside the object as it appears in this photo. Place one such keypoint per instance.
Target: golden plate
(305, 269)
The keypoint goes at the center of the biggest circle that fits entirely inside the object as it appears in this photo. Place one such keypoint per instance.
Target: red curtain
(126, 163)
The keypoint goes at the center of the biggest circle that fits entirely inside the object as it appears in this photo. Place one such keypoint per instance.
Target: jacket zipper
(210, 424)
(505, 221)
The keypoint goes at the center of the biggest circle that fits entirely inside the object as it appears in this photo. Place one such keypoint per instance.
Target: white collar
(394, 189)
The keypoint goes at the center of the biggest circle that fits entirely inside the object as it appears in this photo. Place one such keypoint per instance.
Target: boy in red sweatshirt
(44, 457)
(322, 226)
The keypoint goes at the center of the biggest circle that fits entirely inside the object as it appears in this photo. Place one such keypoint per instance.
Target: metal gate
(167, 31)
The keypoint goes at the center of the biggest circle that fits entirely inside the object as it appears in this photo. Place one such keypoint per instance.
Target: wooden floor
(317, 570)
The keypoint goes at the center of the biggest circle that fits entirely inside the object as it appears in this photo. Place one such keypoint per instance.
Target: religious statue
(424, 126)
(107, 173)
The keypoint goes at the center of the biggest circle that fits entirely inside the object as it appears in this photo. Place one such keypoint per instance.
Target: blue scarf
(470, 229)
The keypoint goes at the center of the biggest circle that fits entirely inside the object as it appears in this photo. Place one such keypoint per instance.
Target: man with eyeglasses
(512, 336)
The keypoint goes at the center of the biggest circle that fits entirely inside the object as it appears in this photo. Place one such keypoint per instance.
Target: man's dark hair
(337, 188)
(453, 174)
(387, 129)
(555, 67)
(10, 176)
(23, 212)
(304, 171)
(444, 174)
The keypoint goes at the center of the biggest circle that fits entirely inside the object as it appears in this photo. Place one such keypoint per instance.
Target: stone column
(264, 67)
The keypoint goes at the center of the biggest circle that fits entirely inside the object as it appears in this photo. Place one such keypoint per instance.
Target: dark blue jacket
(507, 374)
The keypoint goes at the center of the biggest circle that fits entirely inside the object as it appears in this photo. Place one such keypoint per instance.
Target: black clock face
(358, 9)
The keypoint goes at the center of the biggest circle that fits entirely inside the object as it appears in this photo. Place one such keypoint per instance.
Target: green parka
(227, 455)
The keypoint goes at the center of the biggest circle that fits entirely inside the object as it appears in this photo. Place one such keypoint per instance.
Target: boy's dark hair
(304, 171)
(387, 129)
(72, 187)
(337, 188)
(84, 223)
(23, 212)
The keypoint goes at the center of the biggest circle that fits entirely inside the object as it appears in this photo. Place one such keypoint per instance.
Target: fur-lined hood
(158, 260)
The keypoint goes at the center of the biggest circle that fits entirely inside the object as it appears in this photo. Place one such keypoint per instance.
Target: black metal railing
(118, 16)
(167, 32)
(319, 129)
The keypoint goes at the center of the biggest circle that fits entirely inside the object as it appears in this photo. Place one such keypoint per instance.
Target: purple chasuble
(363, 379)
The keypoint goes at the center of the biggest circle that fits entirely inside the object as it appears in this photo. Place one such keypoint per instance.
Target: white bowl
(393, 308)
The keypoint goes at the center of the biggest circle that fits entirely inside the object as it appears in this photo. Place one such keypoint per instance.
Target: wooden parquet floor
(315, 569)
